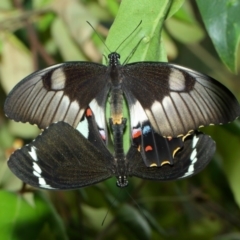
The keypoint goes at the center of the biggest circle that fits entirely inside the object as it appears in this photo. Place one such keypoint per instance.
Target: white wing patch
(176, 80)
(83, 127)
(72, 117)
(195, 141)
(160, 117)
(33, 153)
(193, 158)
(58, 79)
(43, 183)
(193, 155)
(138, 115)
(37, 170)
(99, 114)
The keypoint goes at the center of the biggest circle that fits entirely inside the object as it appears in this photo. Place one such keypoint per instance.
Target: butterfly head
(122, 181)
(114, 59)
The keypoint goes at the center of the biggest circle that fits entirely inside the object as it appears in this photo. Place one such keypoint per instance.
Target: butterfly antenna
(134, 201)
(133, 51)
(98, 35)
(129, 35)
(111, 206)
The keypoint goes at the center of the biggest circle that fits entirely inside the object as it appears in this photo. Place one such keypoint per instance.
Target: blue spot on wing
(146, 129)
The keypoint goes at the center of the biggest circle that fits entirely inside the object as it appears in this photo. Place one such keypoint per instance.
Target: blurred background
(36, 34)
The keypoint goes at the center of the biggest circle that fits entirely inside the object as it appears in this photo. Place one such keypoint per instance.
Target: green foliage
(205, 206)
(22, 220)
(223, 27)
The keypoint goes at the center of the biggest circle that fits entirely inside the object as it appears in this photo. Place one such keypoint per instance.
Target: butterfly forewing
(62, 158)
(176, 99)
(58, 93)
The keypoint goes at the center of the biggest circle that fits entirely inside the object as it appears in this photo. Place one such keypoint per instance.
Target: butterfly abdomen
(119, 156)
(116, 105)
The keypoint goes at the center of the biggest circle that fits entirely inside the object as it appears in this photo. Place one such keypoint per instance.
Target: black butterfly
(172, 98)
(163, 99)
(63, 158)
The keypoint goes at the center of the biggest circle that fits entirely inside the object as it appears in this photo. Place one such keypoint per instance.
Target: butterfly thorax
(114, 70)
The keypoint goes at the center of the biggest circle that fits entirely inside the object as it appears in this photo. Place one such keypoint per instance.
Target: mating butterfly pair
(166, 104)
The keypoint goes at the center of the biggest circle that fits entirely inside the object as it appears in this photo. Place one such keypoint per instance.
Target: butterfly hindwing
(196, 153)
(58, 93)
(62, 158)
(176, 99)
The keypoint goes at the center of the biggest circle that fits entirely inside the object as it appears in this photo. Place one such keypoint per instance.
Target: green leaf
(25, 221)
(130, 13)
(95, 216)
(184, 27)
(222, 21)
(112, 7)
(228, 236)
(234, 127)
(229, 151)
(176, 5)
(135, 222)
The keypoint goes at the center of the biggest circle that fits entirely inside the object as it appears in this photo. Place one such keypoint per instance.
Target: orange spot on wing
(148, 148)
(136, 134)
(89, 112)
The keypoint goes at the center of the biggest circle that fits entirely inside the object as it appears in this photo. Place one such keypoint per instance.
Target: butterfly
(167, 103)
(63, 158)
(174, 99)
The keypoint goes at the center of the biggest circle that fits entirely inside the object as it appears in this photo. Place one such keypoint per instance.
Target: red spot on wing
(148, 148)
(136, 133)
(89, 112)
